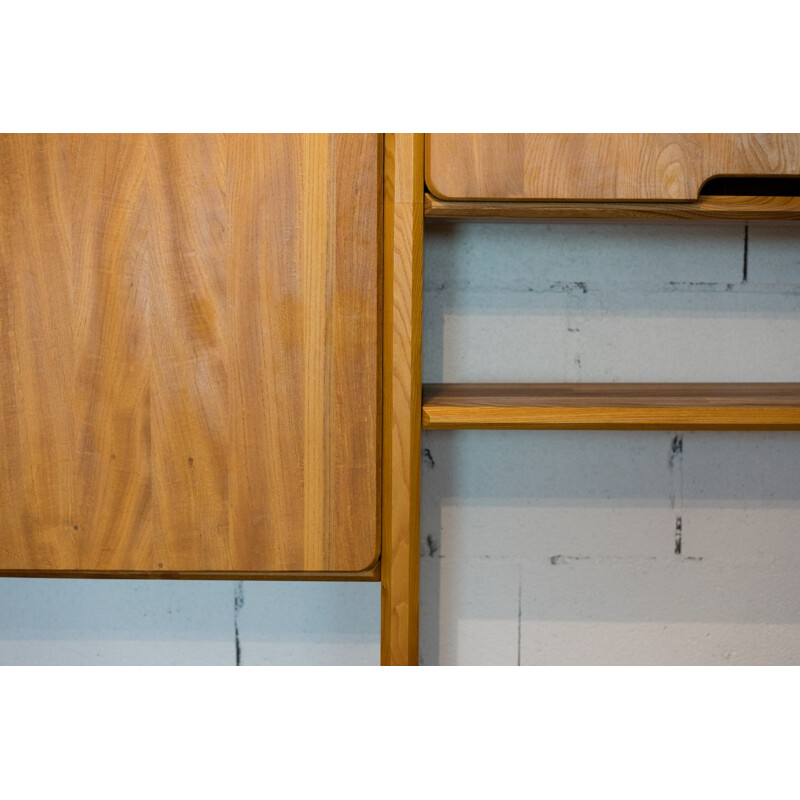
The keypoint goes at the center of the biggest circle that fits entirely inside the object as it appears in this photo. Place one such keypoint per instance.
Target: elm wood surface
(703, 209)
(402, 397)
(622, 406)
(599, 166)
(189, 353)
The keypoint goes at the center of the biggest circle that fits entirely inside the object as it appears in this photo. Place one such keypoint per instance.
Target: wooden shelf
(612, 406)
(705, 208)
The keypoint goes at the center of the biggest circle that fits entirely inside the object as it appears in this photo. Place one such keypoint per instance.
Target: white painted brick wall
(560, 547)
(537, 547)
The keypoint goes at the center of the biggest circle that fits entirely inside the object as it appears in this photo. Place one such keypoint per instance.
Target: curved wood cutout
(599, 166)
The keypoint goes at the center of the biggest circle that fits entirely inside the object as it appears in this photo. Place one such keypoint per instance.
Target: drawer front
(599, 166)
(189, 352)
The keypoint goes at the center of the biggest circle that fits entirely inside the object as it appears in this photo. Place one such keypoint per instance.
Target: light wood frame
(718, 407)
(402, 396)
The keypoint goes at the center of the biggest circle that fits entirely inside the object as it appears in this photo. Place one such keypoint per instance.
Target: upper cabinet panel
(599, 166)
(189, 352)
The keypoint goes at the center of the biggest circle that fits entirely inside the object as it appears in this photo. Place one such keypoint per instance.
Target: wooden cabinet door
(599, 166)
(189, 352)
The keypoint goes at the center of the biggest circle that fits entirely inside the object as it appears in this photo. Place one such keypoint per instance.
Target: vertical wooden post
(402, 396)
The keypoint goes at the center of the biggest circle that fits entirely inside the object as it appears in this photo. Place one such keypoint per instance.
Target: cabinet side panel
(189, 353)
(402, 397)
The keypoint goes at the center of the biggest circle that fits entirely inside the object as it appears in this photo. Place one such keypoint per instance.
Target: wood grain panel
(189, 353)
(110, 269)
(37, 426)
(353, 483)
(620, 406)
(599, 166)
(402, 397)
(190, 371)
(266, 307)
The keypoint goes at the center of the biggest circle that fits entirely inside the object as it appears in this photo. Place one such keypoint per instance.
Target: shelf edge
(722, 208)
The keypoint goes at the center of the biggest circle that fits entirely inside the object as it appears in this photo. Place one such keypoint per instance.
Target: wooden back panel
(599, 166)
(189, 352)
